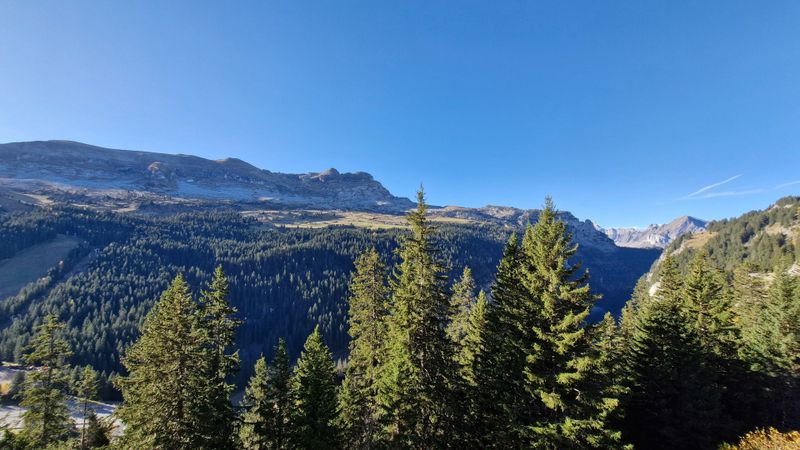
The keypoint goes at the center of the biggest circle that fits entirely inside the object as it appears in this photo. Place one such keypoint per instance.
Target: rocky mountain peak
(655, 236)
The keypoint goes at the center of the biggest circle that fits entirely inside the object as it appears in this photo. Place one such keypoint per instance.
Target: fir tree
(472, 346)
(367, 316)
(558, 358)
(501, 394)
(461, 303)
(217, 320)
(669, 404)
(167, 390)
(266, 424)
(96, 433)
(472, 349)
(771, 346)
(254, 428)
(314, 393)
(418, 379)
(706, 301)
(86, 390)
(46, 420)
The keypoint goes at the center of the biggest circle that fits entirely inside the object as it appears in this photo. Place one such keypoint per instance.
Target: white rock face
(655, 236)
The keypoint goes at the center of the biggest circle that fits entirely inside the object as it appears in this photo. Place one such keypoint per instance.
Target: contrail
(712, 186)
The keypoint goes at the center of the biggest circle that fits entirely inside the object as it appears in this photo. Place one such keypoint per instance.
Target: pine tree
(706, 301)
(669, 404)
(253, 430)
(472, 349)
(96, 432)
(217, 320)
(709, 303)
(418, 378)
(473, 344)
(501, 393)
(86, 390)
(461, 303)
(266, 424)
(167, 390)
(558, 358)
(314, 392)
(605, 380)
(771, 346)
(46, 420)
(367, 318)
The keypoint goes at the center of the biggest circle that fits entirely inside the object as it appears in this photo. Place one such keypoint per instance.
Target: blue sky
(625, 112)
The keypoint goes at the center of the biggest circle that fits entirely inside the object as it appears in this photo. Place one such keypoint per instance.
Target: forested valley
(706, 355)
(284, 280)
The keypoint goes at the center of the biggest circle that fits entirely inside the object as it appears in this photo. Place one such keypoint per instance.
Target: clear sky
(626, 112)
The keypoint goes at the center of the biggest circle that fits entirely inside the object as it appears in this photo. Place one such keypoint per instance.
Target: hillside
(284, 279)
(763, 240)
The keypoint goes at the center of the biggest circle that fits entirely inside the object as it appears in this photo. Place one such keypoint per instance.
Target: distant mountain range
(158, 183)
(655, 236)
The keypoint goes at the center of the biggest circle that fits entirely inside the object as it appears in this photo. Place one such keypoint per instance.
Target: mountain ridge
(655, 235)
(76, 173)
(90, 170)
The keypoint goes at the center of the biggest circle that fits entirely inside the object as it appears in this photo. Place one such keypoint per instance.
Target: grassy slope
(32, 263)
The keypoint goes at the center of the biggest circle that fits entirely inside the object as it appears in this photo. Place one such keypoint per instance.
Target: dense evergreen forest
(284, 281)
(707, 359)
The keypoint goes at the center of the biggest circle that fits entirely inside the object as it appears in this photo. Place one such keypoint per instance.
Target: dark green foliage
(86, 390)
(367, 319)
(46, 420)
(541, 366)
(461, 303)
(314, 393)
(502, 397)
(218, 322)
(559, 359)
(473, 345)
(283, 281)
(266, 422)
(670, 404)
(418, 379)
(96, 433)
(771, 348)
(167, 390)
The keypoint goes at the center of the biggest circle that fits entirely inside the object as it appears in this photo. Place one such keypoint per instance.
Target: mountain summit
(73, 168)
(655, 236)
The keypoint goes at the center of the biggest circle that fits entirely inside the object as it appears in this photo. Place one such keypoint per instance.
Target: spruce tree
(218, 321)
(472, 349)
(501, 393)
(367, 319)
(472, 346)
(669, 404)
(314, 393)
(166, 393)
(461, 303)
(771, 347)
(419, 376)
(266, 423)
(558, 357)
(86, 390)
(253, 429)
(97, 432)
(46, 420)
(707, 302)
